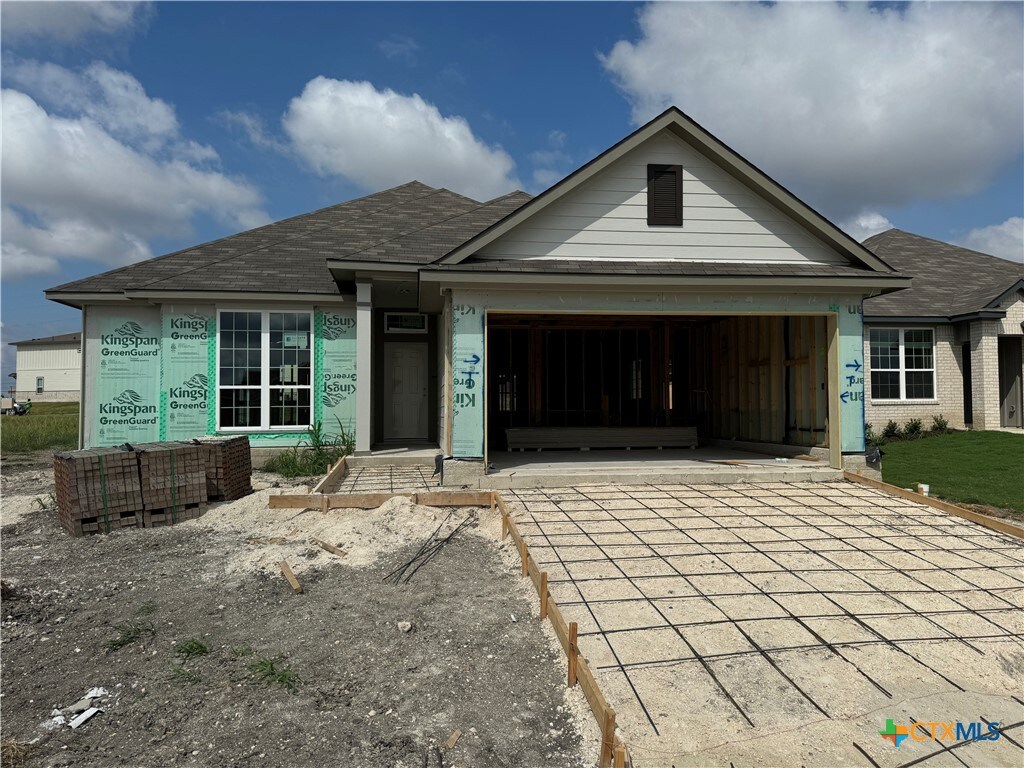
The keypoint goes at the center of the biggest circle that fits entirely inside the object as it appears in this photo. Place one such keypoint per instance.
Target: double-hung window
(902, 363)
(265, 370)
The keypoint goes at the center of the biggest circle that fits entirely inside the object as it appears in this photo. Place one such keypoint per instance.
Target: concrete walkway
(783, 624)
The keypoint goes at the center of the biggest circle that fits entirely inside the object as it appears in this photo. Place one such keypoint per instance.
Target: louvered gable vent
(665, 195)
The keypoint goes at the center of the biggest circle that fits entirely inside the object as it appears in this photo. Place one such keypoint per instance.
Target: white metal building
(49, 369)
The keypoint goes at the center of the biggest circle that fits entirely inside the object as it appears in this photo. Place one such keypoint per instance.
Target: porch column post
(985, 373)
(835, 431)
(364, 375)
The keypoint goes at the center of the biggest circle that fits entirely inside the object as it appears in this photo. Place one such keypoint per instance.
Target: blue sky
(134, 130)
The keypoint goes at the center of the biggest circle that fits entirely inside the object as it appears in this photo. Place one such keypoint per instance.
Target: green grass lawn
(48, 426)
(970, 467)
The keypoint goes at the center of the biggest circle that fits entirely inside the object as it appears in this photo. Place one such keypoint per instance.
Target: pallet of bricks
(173, 478)
(98, 490)
(228, 467)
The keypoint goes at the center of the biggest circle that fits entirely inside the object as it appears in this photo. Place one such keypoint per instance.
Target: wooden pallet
(88, 526)
(160, 518)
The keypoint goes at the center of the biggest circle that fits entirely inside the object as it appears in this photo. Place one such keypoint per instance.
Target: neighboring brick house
(951, 343)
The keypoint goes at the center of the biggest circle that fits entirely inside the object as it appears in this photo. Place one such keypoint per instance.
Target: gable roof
(411, 224)
(674, 120)
(64, 338)
(947, 280)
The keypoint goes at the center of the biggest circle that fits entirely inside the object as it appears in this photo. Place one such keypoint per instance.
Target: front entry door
(405, 391)
(1010, 382)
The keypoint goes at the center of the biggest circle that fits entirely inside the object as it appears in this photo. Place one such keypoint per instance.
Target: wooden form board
(1003, 526)
(613, 749)
(333, 478)
(374, 500)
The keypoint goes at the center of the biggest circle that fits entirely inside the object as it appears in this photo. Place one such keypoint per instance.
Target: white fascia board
(345, 265)
(876, 285)
(168, 297)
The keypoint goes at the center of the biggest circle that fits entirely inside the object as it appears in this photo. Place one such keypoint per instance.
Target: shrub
(892, 431)
(315, 456)
(871, 438)
(940, 424)
(913, 430)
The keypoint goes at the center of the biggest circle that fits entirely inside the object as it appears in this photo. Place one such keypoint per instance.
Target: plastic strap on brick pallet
(103, 492)
(174, 492)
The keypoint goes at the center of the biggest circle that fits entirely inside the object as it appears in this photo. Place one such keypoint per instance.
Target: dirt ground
(782, 624)
(474, 658)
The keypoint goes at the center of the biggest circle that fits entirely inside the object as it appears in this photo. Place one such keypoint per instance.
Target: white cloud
(380, 139)
(550, 164)
(1004, 240)
(112, 98)
(853, 106)
(399, 47)
(73, 190)
(864, 225)
(70, 21)
(251, 126)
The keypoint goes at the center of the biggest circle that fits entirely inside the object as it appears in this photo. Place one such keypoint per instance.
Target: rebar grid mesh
(390, 478)
(664, 576)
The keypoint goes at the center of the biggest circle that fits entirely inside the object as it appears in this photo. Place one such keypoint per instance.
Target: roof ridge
(216, 240)
(995, 259)
(251, 251)
(477, 207)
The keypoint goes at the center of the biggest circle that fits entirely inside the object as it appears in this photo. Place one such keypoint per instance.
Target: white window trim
(265, 371)
(902, 370)
(40, 385)
(420, 331)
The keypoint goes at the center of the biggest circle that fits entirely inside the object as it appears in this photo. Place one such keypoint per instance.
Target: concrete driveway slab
(782, 623)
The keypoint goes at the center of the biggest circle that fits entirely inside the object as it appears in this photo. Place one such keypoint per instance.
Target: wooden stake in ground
(607, 738)
(287, 571)
(330, 548)
(573, 630)
(543, 594)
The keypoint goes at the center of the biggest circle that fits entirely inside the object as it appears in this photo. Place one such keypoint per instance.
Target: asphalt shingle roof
(413, 223)
(947, 280)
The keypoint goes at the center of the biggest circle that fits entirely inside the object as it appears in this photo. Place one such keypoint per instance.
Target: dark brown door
(1010, 390)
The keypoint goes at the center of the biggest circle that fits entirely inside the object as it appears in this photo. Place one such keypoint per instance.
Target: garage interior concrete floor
(783, 623)
(512, 469)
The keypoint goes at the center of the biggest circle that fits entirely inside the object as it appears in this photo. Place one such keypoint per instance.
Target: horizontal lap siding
(606, 217)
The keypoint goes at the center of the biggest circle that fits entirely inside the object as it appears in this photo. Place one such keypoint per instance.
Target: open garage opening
(571, 382)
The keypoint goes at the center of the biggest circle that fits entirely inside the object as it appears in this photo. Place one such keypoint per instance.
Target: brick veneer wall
(983, 336)
(949, 391)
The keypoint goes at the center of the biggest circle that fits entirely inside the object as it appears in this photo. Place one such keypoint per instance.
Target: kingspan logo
(190, 326)
(128, 403)
(336, 326)
(193, 389)
(129, 336)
